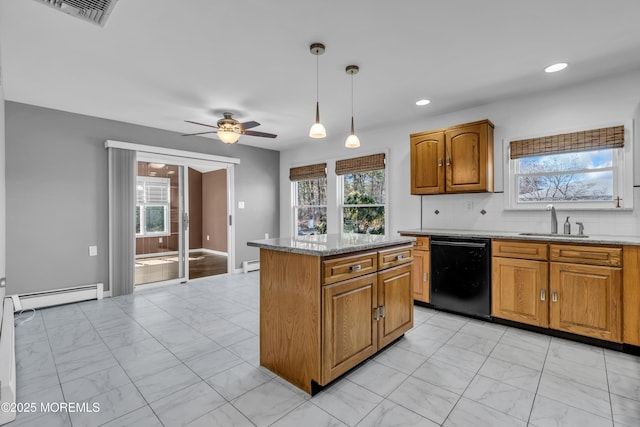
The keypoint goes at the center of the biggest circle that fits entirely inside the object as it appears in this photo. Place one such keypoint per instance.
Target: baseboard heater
(251, 265)
(57, 297)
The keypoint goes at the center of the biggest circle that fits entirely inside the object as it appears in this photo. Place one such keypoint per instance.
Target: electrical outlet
(207, 237)
(93, 251)
(159, 239)
(266, 235)
(240, 205)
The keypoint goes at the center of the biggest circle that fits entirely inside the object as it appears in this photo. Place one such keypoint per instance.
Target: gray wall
(57, 201)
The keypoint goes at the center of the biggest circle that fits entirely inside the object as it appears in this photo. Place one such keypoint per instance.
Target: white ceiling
(159, 62)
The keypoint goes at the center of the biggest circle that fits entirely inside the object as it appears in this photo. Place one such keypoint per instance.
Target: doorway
(182, 227)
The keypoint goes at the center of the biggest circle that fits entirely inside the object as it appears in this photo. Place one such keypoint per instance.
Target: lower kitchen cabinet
(519, 290)
(362, 315)
(350, 328)
(421, 270)
(578, 290)
(586, 300)
(322, 315)
(395, 302)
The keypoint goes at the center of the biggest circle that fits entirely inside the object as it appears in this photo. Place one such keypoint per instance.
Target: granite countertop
(591, 239)
(329, 244)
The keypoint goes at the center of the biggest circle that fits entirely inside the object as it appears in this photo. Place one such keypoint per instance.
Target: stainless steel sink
(576, 236)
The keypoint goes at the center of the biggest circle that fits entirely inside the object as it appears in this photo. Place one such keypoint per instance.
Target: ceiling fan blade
(200, 133)
(201, 124)
(262, 134)
(249, 125)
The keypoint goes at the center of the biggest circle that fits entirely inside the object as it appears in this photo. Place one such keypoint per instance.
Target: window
(309, 189)
(582, 170)
(363, 194)
(152, 206)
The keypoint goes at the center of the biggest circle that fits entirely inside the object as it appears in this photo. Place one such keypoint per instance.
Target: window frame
(144, 205)
(341, 205)
(622, 168)
(296, 206)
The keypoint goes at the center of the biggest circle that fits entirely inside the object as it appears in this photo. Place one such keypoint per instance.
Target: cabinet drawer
(522, 250)
(395, 256)
(422, 243)
(584, 254)
(342, 268)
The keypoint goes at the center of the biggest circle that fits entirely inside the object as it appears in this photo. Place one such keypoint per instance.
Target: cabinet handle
(399, 258)
(448, 161)
(376, 313)
(543, 295)
(554, 296)
(425, 277)
(356, 268)
(382, 311)
(440, 162)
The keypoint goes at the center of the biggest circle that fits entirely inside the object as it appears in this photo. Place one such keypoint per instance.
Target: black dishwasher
(461, 275)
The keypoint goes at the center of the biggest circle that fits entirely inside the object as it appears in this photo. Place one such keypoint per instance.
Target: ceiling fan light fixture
(228, 137)
(317, 130)
(352, 140)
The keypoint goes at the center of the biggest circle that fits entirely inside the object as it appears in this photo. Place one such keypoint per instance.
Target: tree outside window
(310, 209)
(571, 177)
(364, 202)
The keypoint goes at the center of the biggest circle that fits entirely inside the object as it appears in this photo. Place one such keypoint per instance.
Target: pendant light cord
(317, 79)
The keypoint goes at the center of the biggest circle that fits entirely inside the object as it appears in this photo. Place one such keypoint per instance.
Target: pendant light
(352, 140)
(317, 130)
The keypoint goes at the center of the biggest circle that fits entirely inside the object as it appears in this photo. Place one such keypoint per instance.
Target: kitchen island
(329, 302)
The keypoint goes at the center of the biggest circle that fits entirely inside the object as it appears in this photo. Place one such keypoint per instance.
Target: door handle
(356, 268)
(185, 221)
(554, 296)
(376, 313)
(399, 258)
(440, 162)
(448, 161)
(543, 295)
(425, 277)
(382, 311)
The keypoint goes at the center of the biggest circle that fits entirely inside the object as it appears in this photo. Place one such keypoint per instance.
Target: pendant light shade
(352, 140)
(317, 130)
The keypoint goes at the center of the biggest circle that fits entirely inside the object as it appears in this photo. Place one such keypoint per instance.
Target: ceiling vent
(94, 11)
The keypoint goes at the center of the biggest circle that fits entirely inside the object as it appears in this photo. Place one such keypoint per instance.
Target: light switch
(240, 205)
(93, 251)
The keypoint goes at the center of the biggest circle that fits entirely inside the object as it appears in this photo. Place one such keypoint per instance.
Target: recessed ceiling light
(423, 102)
(556, 67)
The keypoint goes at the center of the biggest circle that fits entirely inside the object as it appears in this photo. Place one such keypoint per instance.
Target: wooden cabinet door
(395, 300)
(586, 300)
(520, 290)
(467, 159)
(427, 163)
(421, 270)
(349, 333)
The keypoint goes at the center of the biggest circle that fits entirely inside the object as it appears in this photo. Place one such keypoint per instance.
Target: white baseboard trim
(209, 251)
(57, 296)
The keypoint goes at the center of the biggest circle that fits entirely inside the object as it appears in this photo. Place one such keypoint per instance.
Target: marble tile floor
(189, 355)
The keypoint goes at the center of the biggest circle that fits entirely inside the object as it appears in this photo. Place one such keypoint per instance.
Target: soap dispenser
(567, 226)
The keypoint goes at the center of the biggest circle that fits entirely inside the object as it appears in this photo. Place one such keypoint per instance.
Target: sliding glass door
(160, 223)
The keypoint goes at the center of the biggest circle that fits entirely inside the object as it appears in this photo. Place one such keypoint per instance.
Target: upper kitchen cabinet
(458, 159)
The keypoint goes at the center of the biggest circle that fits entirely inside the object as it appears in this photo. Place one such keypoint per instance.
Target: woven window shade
(360, 164)
(593, 139)
(308, 172)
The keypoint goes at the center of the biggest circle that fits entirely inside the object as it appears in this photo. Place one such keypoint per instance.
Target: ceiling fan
(229, 129)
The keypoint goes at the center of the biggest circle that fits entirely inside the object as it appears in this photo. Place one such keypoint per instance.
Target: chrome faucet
(580, 229)
(554, 219)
